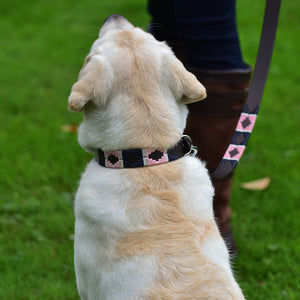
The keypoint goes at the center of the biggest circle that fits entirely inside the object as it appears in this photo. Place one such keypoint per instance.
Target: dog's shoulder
(103, 191)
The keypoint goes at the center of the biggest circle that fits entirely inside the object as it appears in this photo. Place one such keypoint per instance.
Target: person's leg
(206, 29)
(209, 33)
(211, 50)
(163, 24)
(211, 125)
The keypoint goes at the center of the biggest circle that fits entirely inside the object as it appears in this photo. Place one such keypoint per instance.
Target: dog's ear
(80, 95)
(89, 85)
(185, 84)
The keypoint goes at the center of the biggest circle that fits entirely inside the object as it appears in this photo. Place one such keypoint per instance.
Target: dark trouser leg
(207, 30)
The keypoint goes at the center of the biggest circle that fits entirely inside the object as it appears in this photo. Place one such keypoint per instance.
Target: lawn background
(42, 48)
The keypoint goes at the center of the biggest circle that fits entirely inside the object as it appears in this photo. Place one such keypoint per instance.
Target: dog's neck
(121, 125)
(135, 158)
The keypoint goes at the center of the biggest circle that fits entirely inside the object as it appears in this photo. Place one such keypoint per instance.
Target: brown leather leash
(248, 116)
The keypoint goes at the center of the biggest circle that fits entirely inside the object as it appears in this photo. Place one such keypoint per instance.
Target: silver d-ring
(193, 149)
(188, 138)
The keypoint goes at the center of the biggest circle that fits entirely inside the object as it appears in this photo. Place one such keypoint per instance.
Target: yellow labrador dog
(144, 220)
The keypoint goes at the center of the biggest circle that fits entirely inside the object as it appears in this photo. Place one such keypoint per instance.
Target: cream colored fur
(145, 233)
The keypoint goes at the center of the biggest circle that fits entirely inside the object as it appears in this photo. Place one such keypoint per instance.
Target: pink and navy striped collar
(136, 158)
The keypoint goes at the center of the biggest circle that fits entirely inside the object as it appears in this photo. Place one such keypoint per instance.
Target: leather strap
(248, 117)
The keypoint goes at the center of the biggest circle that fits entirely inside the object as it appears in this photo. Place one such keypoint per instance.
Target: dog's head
(132, 86)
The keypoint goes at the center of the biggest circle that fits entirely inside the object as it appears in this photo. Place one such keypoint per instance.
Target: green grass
(43, 44)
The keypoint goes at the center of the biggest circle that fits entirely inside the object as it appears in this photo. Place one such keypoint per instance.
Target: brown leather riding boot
(211, 124)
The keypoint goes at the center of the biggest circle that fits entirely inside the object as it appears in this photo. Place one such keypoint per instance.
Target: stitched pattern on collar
(136, 158)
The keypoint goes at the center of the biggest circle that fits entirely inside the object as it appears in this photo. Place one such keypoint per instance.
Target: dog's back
(150, 234)
(143, 233)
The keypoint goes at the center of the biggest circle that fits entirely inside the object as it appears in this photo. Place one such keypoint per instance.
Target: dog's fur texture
(144, 233)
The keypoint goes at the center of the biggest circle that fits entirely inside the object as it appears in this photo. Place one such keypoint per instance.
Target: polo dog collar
(136, 158)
